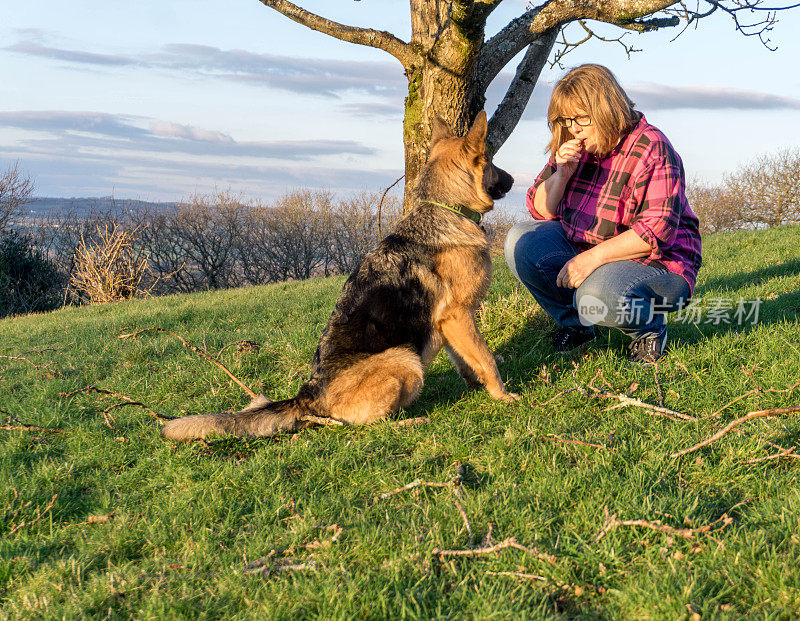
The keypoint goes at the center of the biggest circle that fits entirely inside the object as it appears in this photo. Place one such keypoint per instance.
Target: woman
(614, 242)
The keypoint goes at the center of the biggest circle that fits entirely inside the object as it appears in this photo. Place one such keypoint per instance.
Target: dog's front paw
(508, 397)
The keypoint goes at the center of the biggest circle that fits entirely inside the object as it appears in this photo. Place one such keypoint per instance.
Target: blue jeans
(627, 295)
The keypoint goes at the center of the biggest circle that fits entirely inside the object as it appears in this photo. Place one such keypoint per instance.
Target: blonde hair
(595, 90)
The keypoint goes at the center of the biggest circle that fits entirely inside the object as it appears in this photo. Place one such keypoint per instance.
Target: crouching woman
(613, 241)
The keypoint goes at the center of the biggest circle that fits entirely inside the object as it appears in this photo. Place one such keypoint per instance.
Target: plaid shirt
(639, 186)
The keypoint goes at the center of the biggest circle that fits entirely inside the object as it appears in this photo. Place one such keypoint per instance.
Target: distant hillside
(42, 206)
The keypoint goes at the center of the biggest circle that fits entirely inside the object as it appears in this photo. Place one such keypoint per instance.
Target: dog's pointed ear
(440, 130)
(476, 137)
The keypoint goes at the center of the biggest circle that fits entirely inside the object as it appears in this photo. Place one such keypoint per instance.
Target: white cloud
(187, 132)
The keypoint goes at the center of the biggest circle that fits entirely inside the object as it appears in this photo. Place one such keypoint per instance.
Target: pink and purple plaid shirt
(639, 186)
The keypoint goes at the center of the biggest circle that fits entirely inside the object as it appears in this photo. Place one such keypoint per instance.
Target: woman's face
(587, 134)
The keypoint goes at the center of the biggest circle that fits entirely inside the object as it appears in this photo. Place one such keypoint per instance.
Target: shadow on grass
(744, 279)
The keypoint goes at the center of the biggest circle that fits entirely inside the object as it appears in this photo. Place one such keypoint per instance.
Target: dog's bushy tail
(259, 419)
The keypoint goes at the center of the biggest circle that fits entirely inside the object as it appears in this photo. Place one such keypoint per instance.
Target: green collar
(461, 210)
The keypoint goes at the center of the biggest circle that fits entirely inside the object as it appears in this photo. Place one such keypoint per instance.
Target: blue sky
(156, 100)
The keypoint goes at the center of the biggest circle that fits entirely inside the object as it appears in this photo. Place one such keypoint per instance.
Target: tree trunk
(441, 83)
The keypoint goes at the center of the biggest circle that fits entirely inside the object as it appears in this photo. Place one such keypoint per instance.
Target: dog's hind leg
(463, 337)
(375, 387)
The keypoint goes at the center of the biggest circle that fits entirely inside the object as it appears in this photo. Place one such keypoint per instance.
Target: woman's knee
(527, 241)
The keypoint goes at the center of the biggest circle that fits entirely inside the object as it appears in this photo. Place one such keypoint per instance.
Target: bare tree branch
(510, 110)
(620, 13)
(380, 39)
(498, 51)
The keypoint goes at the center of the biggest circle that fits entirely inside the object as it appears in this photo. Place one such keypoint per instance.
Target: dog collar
(461, 210)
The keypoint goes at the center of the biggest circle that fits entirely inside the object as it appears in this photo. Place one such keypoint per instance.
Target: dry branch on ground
(195, 349)
(612, 521)
(734, 424)
(127, 401)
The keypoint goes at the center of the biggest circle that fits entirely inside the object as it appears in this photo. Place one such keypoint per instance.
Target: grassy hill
(104, 519)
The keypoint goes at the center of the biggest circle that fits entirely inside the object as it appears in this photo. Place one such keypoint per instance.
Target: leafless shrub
(109, 268)
(15, 191)
(768, 189)
(716, 207)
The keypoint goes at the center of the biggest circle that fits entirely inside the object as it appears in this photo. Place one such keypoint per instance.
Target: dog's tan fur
(415, 293)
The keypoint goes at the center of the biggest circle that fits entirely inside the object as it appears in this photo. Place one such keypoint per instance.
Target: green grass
(188, 519)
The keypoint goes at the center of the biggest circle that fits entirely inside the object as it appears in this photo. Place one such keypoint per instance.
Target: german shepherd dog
(413, 294)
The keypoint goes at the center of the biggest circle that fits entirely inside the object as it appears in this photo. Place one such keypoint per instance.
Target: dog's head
(459, 171)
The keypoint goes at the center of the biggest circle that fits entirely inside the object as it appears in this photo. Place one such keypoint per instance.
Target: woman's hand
(577, 269)
(568, 156)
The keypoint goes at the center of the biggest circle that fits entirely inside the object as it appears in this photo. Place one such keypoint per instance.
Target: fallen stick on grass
(46, 367)
(611, 522)
(510, 542)
(32, 428)
(517, 574)
(734, 424)
(195, 349)
(455, 486)
(625, 400)
(752, 392)
(127, 401)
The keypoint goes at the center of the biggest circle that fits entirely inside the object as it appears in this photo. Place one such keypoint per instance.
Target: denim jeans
(627, 295)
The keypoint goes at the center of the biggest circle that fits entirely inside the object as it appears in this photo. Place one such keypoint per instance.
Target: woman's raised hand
(568, 156)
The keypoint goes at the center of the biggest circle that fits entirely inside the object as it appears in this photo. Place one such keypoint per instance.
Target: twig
(46, 367)
(32, 428)
(654, 409)
(611, 522)
(125, 398)
(195, 349)
(455, 486)
(626, 400)
(510, 542)
(730, 403)
(658, 385)
(570, 441)
(517, 574)
(757, 390)
(789, 452)
(738, 421)
(380, 205)
(407, 487)
(561, 393)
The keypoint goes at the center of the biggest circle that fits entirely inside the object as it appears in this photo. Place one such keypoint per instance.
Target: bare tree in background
(289, 239)
(15, 191)
(449, 62)
(768, 189)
